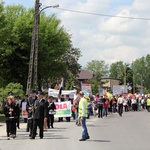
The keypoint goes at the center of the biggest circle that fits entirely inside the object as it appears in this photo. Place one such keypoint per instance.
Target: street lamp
(54, 6)
(33, 63)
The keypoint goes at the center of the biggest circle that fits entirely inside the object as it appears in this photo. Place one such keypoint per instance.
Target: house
(84, 76)
(108, 82)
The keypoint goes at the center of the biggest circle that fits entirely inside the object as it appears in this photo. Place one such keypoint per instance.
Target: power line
(105, 15)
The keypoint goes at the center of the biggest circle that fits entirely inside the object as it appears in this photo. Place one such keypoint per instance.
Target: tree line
(134, 74)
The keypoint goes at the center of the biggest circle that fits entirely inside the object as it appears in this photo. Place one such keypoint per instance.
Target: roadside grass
(2, 118)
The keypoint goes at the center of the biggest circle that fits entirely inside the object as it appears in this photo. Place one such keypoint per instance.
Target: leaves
(15, 36)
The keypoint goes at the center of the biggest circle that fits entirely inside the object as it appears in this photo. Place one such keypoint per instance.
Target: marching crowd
(40, 114)
(41, 110)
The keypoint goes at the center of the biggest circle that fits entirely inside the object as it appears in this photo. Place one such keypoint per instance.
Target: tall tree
(99, 69)
(141, 72)
(117, 70)
(54, 44)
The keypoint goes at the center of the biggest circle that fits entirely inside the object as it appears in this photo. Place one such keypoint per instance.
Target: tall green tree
(54, 44)
(141, 72)
(99, 69)
(117, 70)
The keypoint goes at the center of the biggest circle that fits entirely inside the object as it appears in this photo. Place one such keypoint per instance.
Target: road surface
(129, 132)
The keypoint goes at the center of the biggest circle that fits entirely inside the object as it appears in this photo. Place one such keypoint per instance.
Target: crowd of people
(41, 110)
(105, 105)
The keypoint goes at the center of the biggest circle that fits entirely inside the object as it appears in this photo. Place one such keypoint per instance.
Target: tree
(54, 44)
(141, 72)
(117, 70)
(15, 51)
(99, 69)
(15, 88)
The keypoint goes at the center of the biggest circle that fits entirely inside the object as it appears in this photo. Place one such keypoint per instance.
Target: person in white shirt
(120, 105)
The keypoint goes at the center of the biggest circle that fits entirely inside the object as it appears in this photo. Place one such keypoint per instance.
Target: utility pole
(125, 68)
(33, 63)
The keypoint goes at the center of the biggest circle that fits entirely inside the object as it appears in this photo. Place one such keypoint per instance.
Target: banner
(119, 89)
(86, 88)
(54, 93)
(63, 109)
(24, 112)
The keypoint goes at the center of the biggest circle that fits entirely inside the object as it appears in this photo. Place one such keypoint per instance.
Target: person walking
(39, 115)
(148, 103)
(29, 108)
(105, 106)
(76, 107)
(10, 112)
(100, 107)
(51, 112)
(120, 105)
(134, 103)
(68, 99)
(114, 104)
(83, 114)
(18, 105)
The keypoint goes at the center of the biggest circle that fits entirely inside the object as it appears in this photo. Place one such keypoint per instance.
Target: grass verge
(2, 118)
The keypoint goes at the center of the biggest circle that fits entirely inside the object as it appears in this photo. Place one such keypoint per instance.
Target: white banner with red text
(63, 109)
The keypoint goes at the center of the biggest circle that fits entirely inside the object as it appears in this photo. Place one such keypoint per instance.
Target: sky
(101, 37)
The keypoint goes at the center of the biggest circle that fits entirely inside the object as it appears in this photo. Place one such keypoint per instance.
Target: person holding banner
(60, 99)
(83, 114)
(51, 112)
(67, 99)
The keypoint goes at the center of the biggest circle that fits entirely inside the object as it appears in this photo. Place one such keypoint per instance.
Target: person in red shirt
(105, 107)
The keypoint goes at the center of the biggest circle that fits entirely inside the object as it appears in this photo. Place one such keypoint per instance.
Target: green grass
(2, 118)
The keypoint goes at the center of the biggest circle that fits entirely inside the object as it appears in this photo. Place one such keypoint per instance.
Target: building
(84, 76)
(107, 82)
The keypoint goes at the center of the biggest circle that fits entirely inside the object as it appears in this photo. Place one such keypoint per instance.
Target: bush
(15, 88)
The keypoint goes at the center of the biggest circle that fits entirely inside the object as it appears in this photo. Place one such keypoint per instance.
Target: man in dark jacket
(51, 112)
(39, 114)
(29, 107)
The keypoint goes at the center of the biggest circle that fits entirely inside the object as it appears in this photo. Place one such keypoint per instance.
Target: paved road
(130, 132)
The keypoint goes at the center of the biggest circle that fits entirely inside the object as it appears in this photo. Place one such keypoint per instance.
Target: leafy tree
(141, 71)
(117, 70)
(15, 52)
(99, 68)
(70, 83)
(15, 88)
(54, 44)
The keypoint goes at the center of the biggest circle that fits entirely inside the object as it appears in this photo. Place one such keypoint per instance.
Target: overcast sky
(99, 37)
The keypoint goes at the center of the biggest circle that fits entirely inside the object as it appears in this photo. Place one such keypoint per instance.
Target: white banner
(63, 109)
(86, 88)
(54, 93)
(119, 89)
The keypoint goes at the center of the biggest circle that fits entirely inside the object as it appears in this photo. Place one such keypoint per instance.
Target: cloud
(105, 38)
(108, 38)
